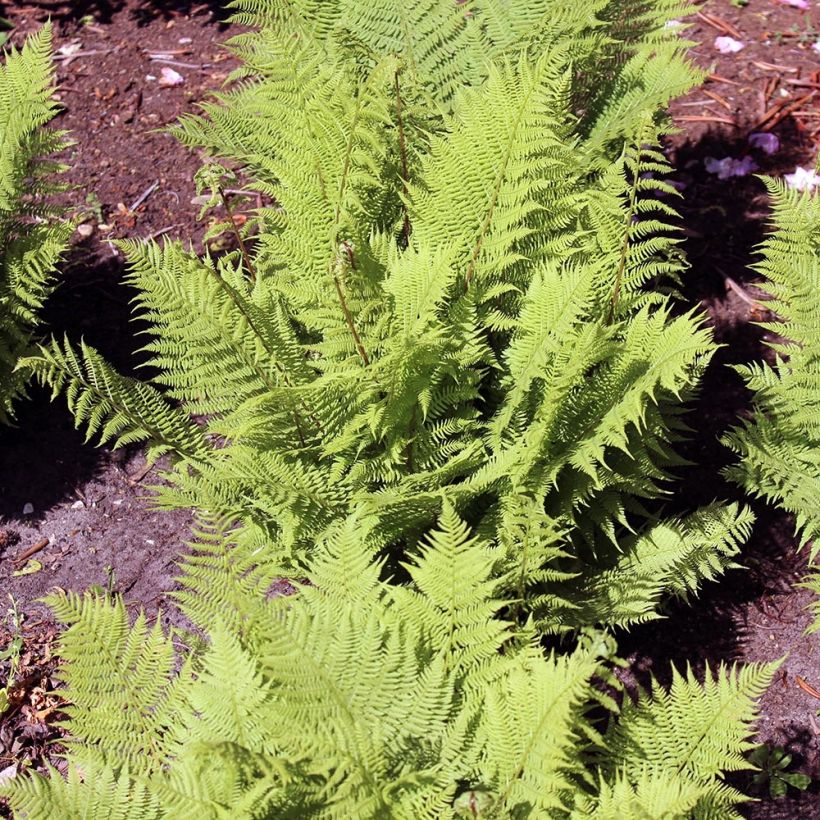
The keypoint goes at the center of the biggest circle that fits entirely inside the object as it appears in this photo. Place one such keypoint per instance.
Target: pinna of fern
(31, 237)
(474, 319)
(358, 697)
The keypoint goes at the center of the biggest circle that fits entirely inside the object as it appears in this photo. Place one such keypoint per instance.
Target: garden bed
(71, 516)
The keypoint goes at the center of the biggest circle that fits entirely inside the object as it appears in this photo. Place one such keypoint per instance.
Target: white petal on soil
(169, 77)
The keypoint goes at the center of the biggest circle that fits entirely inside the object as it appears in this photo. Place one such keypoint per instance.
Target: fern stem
(405, 177)
(345, 309)
(238, 234)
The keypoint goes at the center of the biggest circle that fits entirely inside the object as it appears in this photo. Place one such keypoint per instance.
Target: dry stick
(32, 550)
(238, 234)
(144, 195)
(719, 78)
(806, 687)
(405, 228)
(140, 474)
(779, 112)
(719, 24)
(707, 119)
(718, 99)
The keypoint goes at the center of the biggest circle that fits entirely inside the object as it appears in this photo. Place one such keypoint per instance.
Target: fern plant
(455, 294)
(779, 446)
(31, 238)
(362, 698)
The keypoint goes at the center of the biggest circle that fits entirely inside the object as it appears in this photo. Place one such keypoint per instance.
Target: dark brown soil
(99, 523)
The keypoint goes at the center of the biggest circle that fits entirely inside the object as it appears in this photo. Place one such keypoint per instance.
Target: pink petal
(170, 77)
(728, 45)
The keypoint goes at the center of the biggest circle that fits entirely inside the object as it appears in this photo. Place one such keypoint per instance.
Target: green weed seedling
(774, 762)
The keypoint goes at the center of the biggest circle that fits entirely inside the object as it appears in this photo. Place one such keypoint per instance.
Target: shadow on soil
(43, 459)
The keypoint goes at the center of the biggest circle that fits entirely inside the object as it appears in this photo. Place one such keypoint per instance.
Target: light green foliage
(364, 698)
(456, 294)
(779, 446)
(31, 239)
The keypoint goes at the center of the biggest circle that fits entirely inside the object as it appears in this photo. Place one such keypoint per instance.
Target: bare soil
(93, 505)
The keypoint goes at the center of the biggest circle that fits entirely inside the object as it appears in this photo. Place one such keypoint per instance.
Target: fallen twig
(719, 24)
(178, 64)
(144, 195)
(67, 59)
(718, 99)
(694, 118)
(740, 292)
(162, 231)
(775, 67)
(717, 78)
(140, 474)
(806, 687)
(32, 550)
(777, 113)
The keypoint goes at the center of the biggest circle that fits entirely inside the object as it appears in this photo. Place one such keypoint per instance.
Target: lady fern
(779, 447)
(364, 698)
(452, 296)
(30, 236)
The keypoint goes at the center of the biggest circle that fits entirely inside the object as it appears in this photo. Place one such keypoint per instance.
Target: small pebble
(28, 509)
(77, 505)
(150, 542)
(185, 41)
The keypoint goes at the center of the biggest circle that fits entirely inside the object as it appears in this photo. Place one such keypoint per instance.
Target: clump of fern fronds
(459, 291)
(363, 698)
(779, 446)
(31, 239)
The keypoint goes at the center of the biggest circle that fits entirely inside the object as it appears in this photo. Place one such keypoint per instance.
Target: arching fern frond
(31, 238)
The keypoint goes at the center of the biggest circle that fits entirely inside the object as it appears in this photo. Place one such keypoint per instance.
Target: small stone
(85, 230)
(117, 502)
(78, 505)
(185, 41)
(150, 542)
(28, 508)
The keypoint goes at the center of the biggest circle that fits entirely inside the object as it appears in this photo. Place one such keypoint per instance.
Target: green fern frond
(693, 732)
(112, 406)
(779, 446)
(32, 238)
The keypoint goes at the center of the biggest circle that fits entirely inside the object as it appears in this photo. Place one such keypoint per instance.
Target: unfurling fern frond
(31, 236)
(357, 697)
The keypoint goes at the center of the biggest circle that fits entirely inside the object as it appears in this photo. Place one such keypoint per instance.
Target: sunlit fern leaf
(124, 702)
(779, 447)
(341, 701)
(672, 558)
(114, 407)
(692, 732)
(32, 237)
